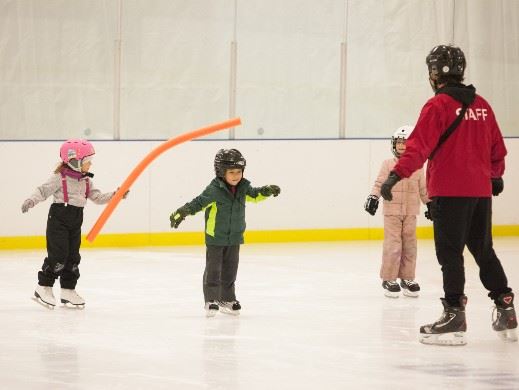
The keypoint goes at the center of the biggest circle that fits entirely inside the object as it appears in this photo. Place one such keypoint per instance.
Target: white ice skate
(70, 298)
(233, 308)
(211, 308)
(44, 296)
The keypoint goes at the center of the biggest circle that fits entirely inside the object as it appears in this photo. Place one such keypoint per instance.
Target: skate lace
(495, 314)
(392, 283)
(442, 318)
(410, 282)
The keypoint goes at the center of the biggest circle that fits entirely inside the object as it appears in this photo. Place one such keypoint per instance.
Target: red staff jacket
(472, 155)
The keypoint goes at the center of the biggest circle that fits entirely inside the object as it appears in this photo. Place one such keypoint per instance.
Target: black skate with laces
(232, 307)
(211, 308)
(392, 289)
(449, 329)
(504, 319)
(410, 287)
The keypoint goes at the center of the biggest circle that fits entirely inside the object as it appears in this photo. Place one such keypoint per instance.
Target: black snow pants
(460, 221)
(63, 242)
(221, 268)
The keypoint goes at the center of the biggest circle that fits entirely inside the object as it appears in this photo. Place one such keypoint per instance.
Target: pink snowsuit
(399, 250)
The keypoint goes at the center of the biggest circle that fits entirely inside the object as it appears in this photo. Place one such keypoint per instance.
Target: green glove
(178, 216)
(270, 190)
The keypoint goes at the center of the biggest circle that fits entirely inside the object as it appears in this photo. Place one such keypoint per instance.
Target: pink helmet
(73, 151)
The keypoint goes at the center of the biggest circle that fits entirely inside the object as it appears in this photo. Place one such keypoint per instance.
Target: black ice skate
(410, 287)
(44, 296)
(449, 329)
(392, 289)
(504, 320)
(211, 308)
(232, 308)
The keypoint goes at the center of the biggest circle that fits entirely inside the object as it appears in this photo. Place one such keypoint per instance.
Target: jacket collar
(221, 183)
(71, 173)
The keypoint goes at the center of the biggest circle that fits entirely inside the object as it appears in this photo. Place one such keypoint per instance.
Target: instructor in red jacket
(458, 133)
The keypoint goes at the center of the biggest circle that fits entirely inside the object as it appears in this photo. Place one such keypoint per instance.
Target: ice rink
(314, 317)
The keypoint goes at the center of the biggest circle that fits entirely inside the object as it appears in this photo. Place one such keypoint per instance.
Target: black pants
(466, 221)
(221, 267)
(63, 242)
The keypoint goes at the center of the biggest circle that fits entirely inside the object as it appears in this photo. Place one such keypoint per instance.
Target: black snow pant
(63, 242)
(221, 267)
(460, 221)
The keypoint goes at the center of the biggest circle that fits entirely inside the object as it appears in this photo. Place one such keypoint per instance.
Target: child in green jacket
(224, 203)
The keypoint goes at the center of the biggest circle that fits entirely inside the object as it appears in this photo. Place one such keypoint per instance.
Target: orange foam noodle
(144, 164)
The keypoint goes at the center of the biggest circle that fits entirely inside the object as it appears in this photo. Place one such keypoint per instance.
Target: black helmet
(445, 60)
(228, 159)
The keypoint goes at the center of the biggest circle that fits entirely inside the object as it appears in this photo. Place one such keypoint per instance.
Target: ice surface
(314, 317)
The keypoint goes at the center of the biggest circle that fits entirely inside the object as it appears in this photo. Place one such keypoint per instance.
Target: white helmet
(402, 132)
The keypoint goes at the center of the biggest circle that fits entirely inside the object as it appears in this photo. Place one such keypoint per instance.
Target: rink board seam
(258, 236)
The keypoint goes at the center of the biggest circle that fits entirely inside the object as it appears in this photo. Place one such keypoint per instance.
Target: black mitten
(428, 214)
(390, 182)
(497, 186)
(371, 204)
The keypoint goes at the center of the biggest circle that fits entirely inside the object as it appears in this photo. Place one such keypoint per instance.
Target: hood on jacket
(464, 94)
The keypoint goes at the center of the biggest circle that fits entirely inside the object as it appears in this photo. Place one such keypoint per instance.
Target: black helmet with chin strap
(445, 63)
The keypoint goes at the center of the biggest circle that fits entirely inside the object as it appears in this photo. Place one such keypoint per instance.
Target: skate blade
(391, 294)
(508, 335)
(411, 294)
(70, 305)
(454, 338)
(230, 312)
(44, 304)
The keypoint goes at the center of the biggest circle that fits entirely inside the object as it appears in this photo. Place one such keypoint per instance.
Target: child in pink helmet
(399, 249)
(70, 186)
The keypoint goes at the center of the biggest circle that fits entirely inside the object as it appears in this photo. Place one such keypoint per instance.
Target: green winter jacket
(224, 213)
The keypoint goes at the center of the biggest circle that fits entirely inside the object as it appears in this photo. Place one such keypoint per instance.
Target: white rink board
(324, 183)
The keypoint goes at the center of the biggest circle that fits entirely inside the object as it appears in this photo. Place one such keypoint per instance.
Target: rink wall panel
(324, 184)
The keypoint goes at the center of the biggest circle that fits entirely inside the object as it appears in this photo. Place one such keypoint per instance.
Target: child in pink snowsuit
(399, 250)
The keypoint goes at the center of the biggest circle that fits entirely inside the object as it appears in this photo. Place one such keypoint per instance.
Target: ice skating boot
(232, 308)
(504, 320)
(409, 287)
(44, 296)
(391, 288)
(69, 297)
(449, 329)
(211, 308)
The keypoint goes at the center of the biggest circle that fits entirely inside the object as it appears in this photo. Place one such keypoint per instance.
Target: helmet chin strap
(434, 83)
(72, 165)
(433, 80)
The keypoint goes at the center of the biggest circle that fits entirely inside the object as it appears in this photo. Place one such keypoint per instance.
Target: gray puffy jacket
(76, 189)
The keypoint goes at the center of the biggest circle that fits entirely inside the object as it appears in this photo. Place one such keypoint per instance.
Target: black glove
(178, 216)
(270, 190)
(428, 214)
(371, 204)
(497, 186)
(125, 194)
(390, 182)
